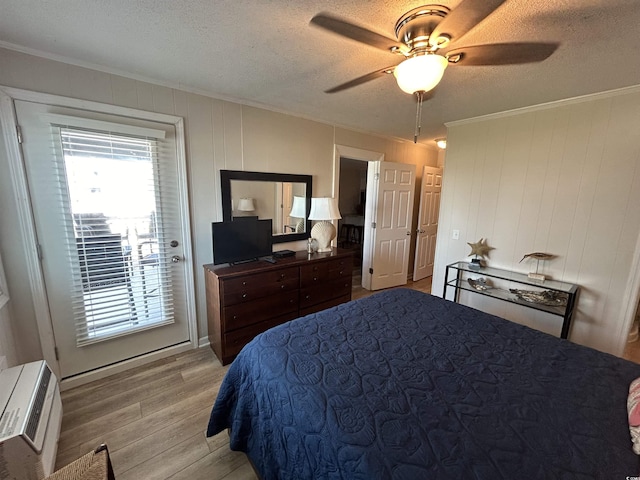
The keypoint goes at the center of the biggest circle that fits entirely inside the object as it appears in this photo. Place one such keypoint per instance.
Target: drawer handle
(244, 295)
(315, 279)
(235, 316)
(315, 269)
(282, 286)
(282, 275)
(244, 284)
(341, 272)
(291, 301)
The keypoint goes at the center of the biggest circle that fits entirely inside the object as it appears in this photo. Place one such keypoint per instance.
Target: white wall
(7, 343)
(562, 179)
(220, 135)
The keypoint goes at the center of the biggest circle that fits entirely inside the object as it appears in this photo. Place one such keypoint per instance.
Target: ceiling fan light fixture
(420, 73)
(441, 143)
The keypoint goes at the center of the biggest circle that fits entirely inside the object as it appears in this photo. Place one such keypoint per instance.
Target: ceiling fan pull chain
(420, 96)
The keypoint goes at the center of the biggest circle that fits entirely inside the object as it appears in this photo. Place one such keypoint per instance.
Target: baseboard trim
(100, 373)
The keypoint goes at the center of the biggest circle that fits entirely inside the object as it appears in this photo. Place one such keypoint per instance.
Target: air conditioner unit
(30, 419)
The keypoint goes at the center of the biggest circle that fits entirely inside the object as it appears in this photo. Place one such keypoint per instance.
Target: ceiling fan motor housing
(415, 27)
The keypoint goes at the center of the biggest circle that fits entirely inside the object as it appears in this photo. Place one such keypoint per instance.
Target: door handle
(176, 259)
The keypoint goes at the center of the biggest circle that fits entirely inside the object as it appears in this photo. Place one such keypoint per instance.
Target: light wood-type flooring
(153, 418)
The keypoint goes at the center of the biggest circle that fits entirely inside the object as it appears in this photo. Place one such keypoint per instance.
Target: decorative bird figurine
(538, 256)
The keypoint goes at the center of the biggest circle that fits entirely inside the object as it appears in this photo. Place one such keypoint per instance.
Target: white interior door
(389, 215)
(427, 222)
(108, 213)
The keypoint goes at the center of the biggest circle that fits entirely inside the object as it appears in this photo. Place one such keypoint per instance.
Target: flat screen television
(241, 240)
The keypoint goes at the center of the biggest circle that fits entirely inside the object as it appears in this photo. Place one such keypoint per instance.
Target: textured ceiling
(265, 53)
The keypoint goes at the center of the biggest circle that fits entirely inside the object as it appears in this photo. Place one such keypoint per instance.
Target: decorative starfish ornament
(480, 248)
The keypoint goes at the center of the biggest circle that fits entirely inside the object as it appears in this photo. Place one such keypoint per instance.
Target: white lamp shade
(324, 209)
(420, 73)
(298, 208)
(246, 205)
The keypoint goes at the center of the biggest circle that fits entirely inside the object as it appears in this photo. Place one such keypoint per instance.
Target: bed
(405, 385)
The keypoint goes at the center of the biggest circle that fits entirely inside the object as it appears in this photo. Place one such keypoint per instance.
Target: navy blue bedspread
(405, 385)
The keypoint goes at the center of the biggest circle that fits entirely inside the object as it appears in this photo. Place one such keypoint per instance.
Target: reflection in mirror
(298, 213)
(283, 198)
(282, 202)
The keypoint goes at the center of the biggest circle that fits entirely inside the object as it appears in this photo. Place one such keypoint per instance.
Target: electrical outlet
(3, 363)
(456, 235)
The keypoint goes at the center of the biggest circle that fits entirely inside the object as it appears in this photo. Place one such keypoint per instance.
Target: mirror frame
(225, 186)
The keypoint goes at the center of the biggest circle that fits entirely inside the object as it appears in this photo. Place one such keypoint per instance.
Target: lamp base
(323, 232)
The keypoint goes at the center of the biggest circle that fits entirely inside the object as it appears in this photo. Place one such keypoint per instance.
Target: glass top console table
(551, 296)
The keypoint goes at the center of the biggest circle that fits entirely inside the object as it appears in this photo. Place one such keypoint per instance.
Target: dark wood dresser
(247, 299)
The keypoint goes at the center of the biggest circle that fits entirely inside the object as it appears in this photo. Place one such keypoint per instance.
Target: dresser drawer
(314, 274)
(319, 273)
(318, 294)
(340, 267)
(234, 341)
(247, 313)
(251, 287)
(324, 305)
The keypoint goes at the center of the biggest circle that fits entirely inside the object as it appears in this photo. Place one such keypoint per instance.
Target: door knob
(175, 259)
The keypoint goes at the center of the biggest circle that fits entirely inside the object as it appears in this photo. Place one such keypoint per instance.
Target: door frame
(631, 300)
(27, 229)
(365, 156)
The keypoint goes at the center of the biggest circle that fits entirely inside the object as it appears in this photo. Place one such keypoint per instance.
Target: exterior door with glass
(111, 230)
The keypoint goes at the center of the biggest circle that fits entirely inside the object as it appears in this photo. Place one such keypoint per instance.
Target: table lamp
(245, 205)
(324, 232)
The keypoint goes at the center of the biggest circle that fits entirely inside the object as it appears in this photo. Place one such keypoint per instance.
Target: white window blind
(111, 191)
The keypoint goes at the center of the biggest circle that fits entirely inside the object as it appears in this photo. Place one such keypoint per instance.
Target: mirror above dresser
(283, 198)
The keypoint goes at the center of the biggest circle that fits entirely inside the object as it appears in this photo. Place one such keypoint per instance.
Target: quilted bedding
(405, 385)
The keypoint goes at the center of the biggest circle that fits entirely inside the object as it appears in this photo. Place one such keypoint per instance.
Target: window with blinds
(110, 188)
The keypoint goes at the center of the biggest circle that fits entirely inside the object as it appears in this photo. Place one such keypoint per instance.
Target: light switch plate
(456, 235)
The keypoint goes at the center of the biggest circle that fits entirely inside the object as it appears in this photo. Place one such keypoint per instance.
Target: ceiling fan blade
(463, 18)
(360, 80)
(501, 54)
(354, 32)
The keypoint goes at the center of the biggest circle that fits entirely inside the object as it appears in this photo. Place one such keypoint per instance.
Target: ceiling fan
(425, 37)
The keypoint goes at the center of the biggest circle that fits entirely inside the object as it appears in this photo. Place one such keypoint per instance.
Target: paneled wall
(220, 135)
(7, 344)
(562, 179)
